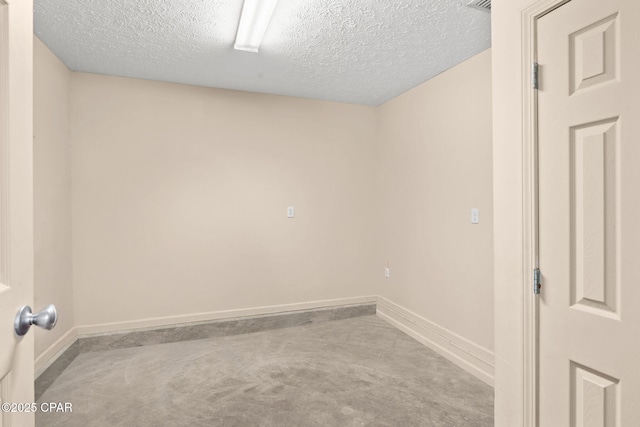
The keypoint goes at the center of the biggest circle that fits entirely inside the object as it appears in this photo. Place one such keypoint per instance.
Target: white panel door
(16, 209)
(589, 207)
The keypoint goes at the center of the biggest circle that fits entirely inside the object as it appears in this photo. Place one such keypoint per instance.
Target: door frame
(530, 224)
(16, 198)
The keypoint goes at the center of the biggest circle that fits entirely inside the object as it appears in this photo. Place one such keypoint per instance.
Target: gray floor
(353, 372)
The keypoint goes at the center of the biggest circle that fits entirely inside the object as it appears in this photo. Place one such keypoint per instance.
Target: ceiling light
(254, 21)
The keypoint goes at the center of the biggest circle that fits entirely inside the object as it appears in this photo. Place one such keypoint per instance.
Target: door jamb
(530, 308)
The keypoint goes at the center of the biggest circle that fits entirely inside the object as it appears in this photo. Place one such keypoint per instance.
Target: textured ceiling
(359, 51)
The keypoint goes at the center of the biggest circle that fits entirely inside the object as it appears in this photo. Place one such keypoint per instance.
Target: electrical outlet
(291, 213)
(387, 272)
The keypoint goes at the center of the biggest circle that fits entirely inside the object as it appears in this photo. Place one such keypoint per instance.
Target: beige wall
(52, 192)
(180, 197)
(434, 165)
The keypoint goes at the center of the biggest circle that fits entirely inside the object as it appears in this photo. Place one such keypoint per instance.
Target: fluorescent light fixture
(254, 21)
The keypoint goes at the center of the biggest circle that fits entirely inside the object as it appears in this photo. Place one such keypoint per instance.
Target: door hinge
(534, 75)
(536, 281)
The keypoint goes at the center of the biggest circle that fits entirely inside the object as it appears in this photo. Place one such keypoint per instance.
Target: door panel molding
(595, 276)
(594, 395)
(594, 53)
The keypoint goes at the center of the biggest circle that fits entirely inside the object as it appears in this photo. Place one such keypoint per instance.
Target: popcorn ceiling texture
(358, 51)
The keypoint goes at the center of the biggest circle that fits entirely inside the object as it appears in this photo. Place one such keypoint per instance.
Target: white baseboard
(471, 357)
(47, 357)
(189, 319)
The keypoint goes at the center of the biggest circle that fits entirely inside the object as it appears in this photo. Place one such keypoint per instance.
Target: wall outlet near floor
(387, 272)
(475, 216)
(291, 213)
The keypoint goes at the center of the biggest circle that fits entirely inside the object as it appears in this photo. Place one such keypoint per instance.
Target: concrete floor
(353, 372)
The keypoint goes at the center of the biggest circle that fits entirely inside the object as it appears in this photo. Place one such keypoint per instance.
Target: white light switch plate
(475, 216)
(291, 213)
(387, 272)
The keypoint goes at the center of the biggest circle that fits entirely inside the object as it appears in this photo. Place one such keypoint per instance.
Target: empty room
(319, 213)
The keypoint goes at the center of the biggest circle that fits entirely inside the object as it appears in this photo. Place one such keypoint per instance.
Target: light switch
(291, 213)
(475, 216)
